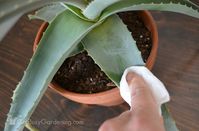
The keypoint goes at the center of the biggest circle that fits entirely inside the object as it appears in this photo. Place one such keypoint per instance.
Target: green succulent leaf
(11, 10)
(112, 48)
(48, 13)
(95, 7)
(180, 6)
(77, 12)
(53, 49)
(6, 26)
(76, 50)
(169, 123)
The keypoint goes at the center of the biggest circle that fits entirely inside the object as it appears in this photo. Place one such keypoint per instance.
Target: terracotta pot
(112, 96)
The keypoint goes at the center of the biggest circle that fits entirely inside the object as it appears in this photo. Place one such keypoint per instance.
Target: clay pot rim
(146, 16)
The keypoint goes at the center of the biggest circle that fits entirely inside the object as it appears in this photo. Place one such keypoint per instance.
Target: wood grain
(177, 66)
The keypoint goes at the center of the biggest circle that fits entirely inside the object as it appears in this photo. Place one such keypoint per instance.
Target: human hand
(144, 114)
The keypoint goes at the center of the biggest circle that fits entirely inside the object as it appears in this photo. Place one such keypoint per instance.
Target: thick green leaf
(12, 9)
(180, 6)
(48, 13)
(77, 12)
(60, 38)
(112, 48)
(95, 8)
(168, 120)
(6, 26)
(76, 50)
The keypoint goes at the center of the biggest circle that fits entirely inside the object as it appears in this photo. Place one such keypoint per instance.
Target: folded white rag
(158, 89)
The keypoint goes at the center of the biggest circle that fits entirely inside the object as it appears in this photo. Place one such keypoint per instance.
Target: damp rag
(157, 88)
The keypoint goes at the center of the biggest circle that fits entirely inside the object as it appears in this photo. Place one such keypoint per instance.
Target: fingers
(143, 116)
(142, 99)
(119, 123)
(144, 107)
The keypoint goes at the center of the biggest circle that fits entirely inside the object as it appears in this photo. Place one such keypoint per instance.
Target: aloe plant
(74, 26)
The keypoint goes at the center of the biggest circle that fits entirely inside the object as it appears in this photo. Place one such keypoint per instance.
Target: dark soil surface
(80, 74)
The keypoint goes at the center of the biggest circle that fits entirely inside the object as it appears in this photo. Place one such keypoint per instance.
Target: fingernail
(133, 90)
(129, 77)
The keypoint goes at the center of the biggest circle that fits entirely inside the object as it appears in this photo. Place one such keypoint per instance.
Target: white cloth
(158, 89)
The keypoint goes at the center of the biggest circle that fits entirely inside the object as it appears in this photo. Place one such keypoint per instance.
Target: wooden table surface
(177, 65)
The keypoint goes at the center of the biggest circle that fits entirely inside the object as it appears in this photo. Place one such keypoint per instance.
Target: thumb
(142, 100)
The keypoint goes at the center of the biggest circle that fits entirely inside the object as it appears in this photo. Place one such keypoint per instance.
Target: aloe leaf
(180, 6)
(11, 9)
(112, 48)
(81, 4)
(60, 38)
(76, 11)
(76, 50)
(95, 7)
(48, 13)
(6, 26)
(168, 120)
